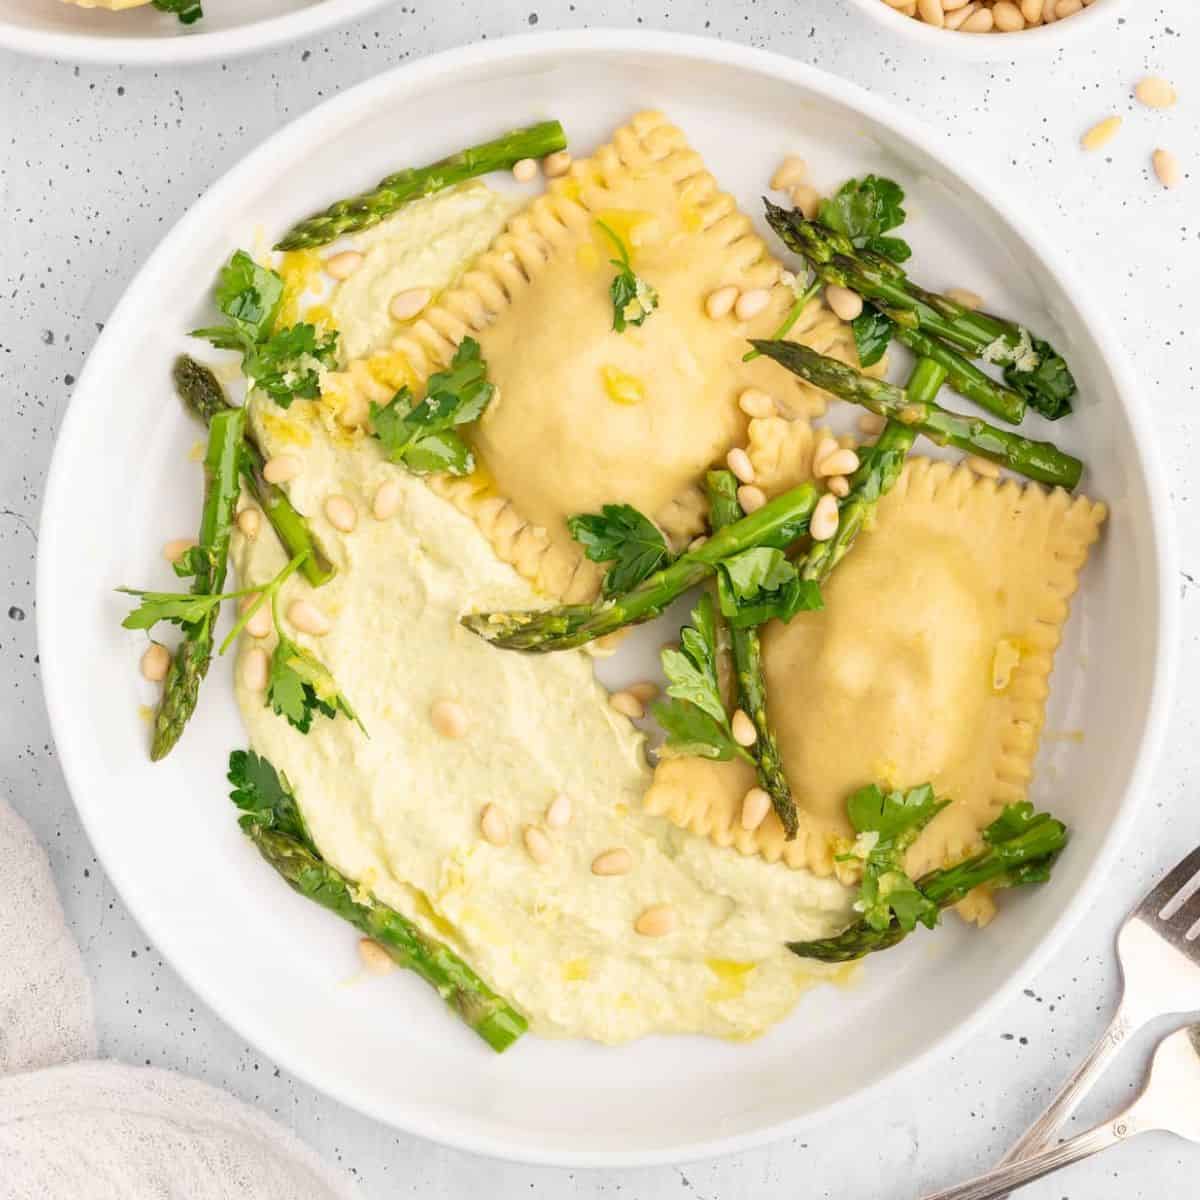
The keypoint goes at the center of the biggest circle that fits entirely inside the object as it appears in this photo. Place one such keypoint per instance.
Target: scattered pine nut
(343, 265)
(493, 824)
(260, 624)
(825, 446)
(755, 806)
(525, 170)
(1167, 168)
(405, 305)
(720, 303)
(743, 729)
(249, 521)
(1154, 92)
(751, 498)
(308, 618)
(374, 958)
(1007, 16)
(628, 705)
(449, 718)
(824, 521)
(538, 845)
(738, 461)
(750, 304)
(871, 423)
(1101, 133)
(155, 662)
(174, 550)
(965, 297)
(256, 669)
(341, 513)
(846, 305)
(806, 200)
(613, 862)
(837, 462)
(982, 466)
(756, 404)
(558, 812)
(387, 500)
(645, 691)
(656, 921)
(839, 485)
(281, 468)
(789, 173)
(556, 164)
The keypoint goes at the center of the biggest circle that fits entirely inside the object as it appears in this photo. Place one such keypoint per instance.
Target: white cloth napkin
(99, 1130)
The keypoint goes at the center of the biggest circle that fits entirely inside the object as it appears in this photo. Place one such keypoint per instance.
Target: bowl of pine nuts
(1042, 25)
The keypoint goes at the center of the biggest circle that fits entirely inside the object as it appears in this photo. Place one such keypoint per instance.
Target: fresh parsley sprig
(633, 299)
(621, 535)
(422, 437)
(284, 363)
(188, 11)
(694, 718)
(265, 797)
(762, 584)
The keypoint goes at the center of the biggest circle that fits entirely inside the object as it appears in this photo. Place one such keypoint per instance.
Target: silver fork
(1159, 958)
(1170, 1101)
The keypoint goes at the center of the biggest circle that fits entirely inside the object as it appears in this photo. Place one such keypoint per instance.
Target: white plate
(52, 29)
(274, 965)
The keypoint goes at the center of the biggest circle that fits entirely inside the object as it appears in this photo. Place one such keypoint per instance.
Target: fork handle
(999, 1181)
(1041, 1133)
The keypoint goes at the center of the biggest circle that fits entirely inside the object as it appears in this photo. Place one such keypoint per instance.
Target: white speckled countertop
(97, 164)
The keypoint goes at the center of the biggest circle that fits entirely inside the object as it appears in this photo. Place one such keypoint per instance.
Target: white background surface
(96, 164)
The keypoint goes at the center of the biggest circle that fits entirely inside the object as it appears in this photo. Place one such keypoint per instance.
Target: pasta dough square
(929, 663)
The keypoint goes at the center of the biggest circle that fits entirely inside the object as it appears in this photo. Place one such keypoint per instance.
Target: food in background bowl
(188, 11)
(989, 16)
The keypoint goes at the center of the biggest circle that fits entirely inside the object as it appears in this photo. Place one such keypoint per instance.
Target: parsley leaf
(188, 11)
(623, 536)
(864, 210)
(422, 437)
(872, 335)
(180, 608)
(694, 718)
(299, 686)
(760, 584)
(633, 299)
(265, 796)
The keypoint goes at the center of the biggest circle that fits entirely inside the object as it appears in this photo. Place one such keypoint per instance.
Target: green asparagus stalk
(965, 377)
(391, 194)
(1031, 365)
(200, 391)
(746, 651)
(778, 523)
(1041, 461)
(222, 484)
(1021, 849)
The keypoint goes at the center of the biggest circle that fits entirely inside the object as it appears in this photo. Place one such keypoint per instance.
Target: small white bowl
(986, 47)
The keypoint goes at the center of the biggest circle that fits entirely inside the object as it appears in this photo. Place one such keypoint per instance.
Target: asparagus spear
(390, 194)
(1042, 461)
(746, 649)
(200, 391)
(778, 523)
(1021, 848)
(189, 665)
(1031, 365)
(273, 821)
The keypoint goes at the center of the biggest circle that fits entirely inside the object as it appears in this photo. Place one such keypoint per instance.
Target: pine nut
(956, 19)
(750, 304)
(1101, 133)
(806, 200)
(656, 921)
(837, 462)
(249, 520)
(871, 423)
(846, 304)
(155, 663)
(174, 550)
(825, 446)
(697, 542)
(1155, 93)
(538, 845)
(720, 303)
(493, 824)
(1049, 15)
(449, 718)
(556, 164)
(1167, 168)
(751, 498)
(789, 173)
(1032, 10)
(525, 170)
(256, 669)
(343, 265)
(756, 404)
(308, 618)
(405, 305)
(839, 485)
(1007, 16)
(965, 297)
(932, 12)
(613, 862)
(374, 958)
(1067, 8)
(744, 732)
(558, 812)
(387, 500)
(953, 5)
(645, 691)
(738, 461)
(755, 806)
(824, 521)
(259, 625)
(978, 22)
(628, 705)
(281, 468)
(341, 513)
(982, 466)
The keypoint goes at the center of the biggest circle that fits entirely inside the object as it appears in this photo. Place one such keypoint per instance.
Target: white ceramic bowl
(272, 964)
(992, 47)
(52, 29)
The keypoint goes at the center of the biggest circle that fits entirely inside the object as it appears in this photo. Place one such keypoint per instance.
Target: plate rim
(712, 53)
(267, 34)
